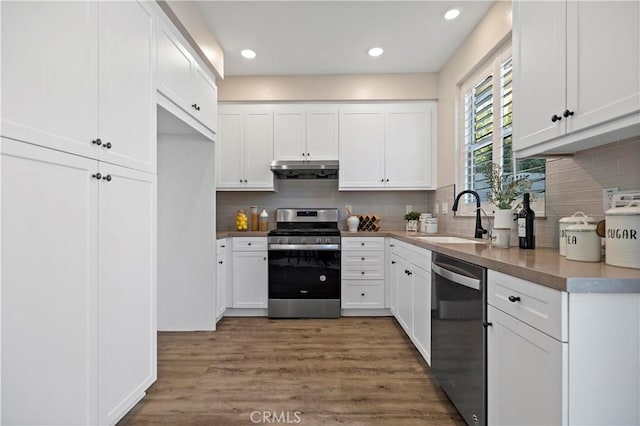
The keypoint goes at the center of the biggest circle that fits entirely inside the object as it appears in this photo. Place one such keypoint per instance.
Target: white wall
(186, 232)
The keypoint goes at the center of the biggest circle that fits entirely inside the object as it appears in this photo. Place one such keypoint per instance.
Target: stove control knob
(279, 240)
(319, 240)
(327, 240)
(303, 240)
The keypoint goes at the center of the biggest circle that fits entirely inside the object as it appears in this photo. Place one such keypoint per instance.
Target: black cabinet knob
(362, 273)
(107, 178)
(555, 118)
(245, 181)
(391, 245)
(361, 294)
(97, 141)
(107, 145)
(361, 244)
(220, 262)
(248, 244)
(97, 176)
(393, 262)
(514, 299)
(567, 113)
(486, 324)
(363, 258)
(240, 180)
(409, 273)
(223, 246)
(264, 258)
(303, 154)
(387, 180)
(198, 108)
(381, 180)
(193, 106)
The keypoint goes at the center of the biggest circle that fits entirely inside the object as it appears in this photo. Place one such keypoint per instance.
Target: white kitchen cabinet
(306, 132)
(96, 97)
(250, 276)
(78, 305)
(405, 294)
(245, 148)
(362, 271)
(183, 81)
(221, 278)
(387, 146)
(394, 279)
(421, 312)
(576, 67)
(126, 289)
(525, 380)
(580, 350)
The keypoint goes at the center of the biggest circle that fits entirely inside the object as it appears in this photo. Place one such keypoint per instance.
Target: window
(487, 132)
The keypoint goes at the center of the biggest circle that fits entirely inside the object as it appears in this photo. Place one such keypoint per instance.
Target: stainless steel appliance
(458, 335)
(304, 264)
(305, 169)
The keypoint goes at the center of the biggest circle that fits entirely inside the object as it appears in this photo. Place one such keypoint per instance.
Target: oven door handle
(305, 247)
(455, 277)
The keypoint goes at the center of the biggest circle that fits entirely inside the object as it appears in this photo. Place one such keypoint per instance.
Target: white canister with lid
(583, 242)
(622, 235)
(577, 217)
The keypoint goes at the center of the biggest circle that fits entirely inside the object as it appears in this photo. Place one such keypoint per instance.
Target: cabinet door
(49, 285)
(394, 279)
(174, 69)
(49, 74)
(361, 148)
(322, 133)
(250, 279)
(205, 96)
(127, 289)
(517, 392)
(229, 149)
(289, 138)
(405, 294)
(258, 140)
(539, 52)
(603, 44)
(411, 129)
(127, 85)
(421, 313)
(220, 286)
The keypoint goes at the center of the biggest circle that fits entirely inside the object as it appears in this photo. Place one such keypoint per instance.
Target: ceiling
(333, 37)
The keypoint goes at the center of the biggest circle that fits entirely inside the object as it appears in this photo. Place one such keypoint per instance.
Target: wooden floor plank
(351, 371)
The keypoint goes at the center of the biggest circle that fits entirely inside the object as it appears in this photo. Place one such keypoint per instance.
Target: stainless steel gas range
(304, 264)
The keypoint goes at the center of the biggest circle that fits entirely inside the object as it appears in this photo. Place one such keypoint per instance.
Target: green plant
(412, 216)
(505, 189)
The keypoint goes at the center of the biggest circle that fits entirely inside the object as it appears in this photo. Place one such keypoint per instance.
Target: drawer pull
(486, 324)
(248, 244)
(363, 258)
(220, 262)
(361, 294)
(514, 299)
(361, 244)
(362, 272)
(393, 262)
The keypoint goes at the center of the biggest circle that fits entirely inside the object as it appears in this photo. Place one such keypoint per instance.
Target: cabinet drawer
(249, 244)
(363, 272)
(362, 258)
(221, 244)
(362, 243)
(356, 294)
(416, 255)
(540, 307)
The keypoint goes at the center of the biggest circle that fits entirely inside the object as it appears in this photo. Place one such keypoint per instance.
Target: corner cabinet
(576, 67)
(244, 148)
(184, 81)
(387, 146)
(561, 358)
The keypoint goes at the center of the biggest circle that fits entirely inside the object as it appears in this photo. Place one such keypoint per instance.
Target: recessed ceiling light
(248, 53)
(452, 14)
(375, 51)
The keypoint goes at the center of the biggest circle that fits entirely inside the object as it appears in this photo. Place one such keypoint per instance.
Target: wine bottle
(526, 216)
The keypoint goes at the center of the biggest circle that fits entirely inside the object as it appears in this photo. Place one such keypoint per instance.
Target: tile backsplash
(574, 183)
(389, 205)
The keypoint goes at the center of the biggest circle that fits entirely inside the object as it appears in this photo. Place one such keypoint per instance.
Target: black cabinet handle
(240, 180)
(303, 154)
(361, 244)
(197, 108)
(381, 180)
(387, 180)
(107, 178)
(363, 258)
(107, 145)
(486, 324)
(362, 273)
(391, 245)
(193, 106)
(222, 246)
(514, 299)
(264, 258)
(248, 244)
(567, 113)
(245, 181)
(409, 273)
(220, 262)
(361, 294)
(393, 262)
(97, 176)
(555, 118)
(97, 141)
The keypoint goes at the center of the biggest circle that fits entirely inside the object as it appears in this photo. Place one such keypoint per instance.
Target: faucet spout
(479, 231)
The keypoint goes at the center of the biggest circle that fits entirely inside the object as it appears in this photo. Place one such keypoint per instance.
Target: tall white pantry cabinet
(78, 194)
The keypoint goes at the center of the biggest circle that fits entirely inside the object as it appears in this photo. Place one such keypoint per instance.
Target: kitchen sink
(450, 240)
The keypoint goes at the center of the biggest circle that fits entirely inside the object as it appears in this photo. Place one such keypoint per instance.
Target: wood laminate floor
(351, 371)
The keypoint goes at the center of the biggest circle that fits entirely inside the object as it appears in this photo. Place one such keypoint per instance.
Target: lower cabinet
(221, 278)
(410, 280)
(78, 287)
(250, 273)
(362, 270)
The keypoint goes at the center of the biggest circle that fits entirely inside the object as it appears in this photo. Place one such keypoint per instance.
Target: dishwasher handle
(456, 277)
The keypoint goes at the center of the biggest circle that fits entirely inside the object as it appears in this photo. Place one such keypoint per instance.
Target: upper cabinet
(576, 67)
(387, 146)
(244, 148)
(305, 132)
(183, 81)
(94, 98)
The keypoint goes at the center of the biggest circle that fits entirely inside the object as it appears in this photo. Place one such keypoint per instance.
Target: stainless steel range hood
(305, 169)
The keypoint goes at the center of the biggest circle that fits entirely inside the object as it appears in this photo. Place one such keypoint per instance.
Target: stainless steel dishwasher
(458, 337)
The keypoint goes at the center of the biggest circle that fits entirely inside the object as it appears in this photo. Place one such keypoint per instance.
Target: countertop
(543, 266)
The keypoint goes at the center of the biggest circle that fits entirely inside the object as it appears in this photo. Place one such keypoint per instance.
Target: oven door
(304, 271)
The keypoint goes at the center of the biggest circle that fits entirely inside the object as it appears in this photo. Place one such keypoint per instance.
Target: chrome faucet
(480, 231)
